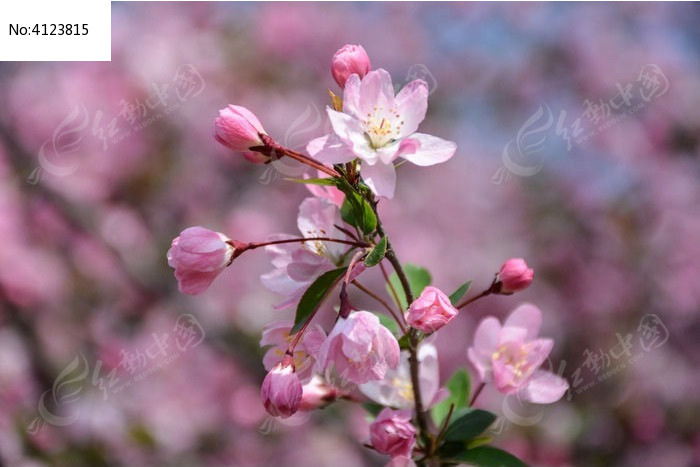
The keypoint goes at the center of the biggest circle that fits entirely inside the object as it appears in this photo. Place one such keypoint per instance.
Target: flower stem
(385, 304)
(493, 288)
(476, 394)
(274, 150)
(253, 245)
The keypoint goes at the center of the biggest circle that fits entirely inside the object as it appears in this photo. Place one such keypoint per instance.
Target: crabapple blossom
(347, 60)
(281, 390)
(359, 349)
(276, 336)
(239, 129)
(515, 275)
(393, 433)
(431, 310)
(510, 355)
(297, 265)
(396, 389)
(198, 256)
(380, 127)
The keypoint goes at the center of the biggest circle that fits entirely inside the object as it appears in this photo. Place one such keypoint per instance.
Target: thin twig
(384, 303)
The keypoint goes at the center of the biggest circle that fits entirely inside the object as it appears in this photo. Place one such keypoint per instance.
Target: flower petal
(528, 317)
(380, 178)
(351, 132)
(329, 149)
(430, 150)
(376, 90)
(411, 105)
(544, 388)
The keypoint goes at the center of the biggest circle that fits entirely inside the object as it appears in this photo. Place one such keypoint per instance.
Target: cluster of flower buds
(362, 357)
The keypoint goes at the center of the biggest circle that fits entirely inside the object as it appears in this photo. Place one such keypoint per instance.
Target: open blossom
(379, 127)
(281, 390)
(276, 336)
(239, 129)
(347, 60)
(297, 265)
(510, 356)
(359, 349)
(431, 311)
(515, 275)
(393, 433)
(198, 256)
(396, 388)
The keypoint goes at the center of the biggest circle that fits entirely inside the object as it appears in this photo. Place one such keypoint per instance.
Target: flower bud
(431, 311)
(392, 433)
(198, 256)
(238, 129)
(515, 275)
(347, 60)
(281, 390)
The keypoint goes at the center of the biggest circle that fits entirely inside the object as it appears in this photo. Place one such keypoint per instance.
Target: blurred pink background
(577, 127)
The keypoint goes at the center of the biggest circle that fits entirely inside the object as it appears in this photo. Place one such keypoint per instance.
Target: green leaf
(488, 456)
(468, 424)
(357, 211)
(418, 279)
(405, 342)
(460, 292)
(459, 386)
(314, 181)
(377, 254)
(373, 408)
(389, 323)
(314, 295)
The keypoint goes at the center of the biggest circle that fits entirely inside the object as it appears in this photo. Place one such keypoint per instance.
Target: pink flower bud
(431, 311)
(198, 256)
(281, 390)
(392, 433)
(317, 394)
(347, 60)
(515, 275)
(239, 129)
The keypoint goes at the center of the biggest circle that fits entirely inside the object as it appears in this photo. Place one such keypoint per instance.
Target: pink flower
(359, 348)
(378, 127)
(515, 275)
(393, 433)
(276, 336)
(198, 256)
(239, 129)
(317, 394)
(297, 265)
(281, 390)
(347, 60)
(431, 311)
(510, 356)
(396, 388)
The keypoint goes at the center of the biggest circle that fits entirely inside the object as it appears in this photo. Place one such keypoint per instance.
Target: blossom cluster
(368, 356)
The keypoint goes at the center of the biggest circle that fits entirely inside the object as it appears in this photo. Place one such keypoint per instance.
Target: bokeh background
(102, 164)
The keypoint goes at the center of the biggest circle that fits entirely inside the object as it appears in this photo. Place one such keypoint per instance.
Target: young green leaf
(460, 292)
(377, 254)
(373, 408)
(418, 279)
(356, 211)
(389, 323)
(404, 342)
(467, 424)
(459, 387)
(488, 456)
(314, 295)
